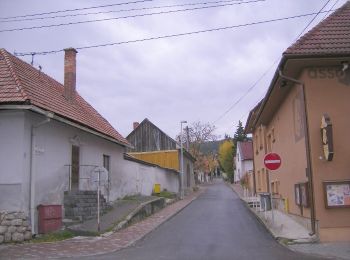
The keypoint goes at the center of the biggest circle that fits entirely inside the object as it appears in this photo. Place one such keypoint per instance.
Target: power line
(118, 11)
(265, 73)
(128, 16)
(170, 35)
(330, 9)
(76, 9)
(312, 20)
(246, 93)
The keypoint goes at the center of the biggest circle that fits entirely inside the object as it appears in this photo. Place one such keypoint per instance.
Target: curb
(126, 221)
(252, 211)
(279, 239)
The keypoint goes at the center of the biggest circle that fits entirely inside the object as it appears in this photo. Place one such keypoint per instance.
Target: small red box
(50, 218)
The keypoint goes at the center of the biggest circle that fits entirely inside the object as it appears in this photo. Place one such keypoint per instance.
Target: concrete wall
(137, 178)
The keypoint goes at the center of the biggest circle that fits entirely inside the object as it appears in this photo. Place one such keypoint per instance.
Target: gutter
(32, 169)
(309, 171)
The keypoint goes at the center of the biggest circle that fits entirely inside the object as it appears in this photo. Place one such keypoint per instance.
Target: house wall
(14, 161)
(328, 91)
(259, 150)
(285, 136)
(325, 92)
(242, 167)
(53, 146)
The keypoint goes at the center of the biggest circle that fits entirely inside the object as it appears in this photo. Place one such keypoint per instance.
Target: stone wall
(14, 227)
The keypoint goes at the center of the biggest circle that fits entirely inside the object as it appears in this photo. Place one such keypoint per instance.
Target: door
(75, 167)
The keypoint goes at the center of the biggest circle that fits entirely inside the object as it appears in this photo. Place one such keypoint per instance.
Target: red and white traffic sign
(272, 161)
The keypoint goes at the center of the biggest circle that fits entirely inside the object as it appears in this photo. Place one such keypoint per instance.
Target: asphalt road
(217, 225)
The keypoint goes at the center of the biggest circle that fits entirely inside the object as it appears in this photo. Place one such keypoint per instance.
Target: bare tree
(196, 134)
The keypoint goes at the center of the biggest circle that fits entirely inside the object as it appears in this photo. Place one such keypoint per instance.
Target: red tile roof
(246, 149)
(329, 37)
(21, 83)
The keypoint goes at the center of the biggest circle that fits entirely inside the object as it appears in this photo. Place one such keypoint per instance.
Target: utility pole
(182, 163)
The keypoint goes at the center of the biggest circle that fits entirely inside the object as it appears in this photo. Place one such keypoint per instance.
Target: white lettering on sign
(272, 161)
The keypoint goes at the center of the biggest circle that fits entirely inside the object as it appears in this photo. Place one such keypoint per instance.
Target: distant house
(304, 117)
(152, 145)
(244, 163)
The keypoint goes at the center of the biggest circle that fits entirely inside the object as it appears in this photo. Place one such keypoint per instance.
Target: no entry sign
(272, 161)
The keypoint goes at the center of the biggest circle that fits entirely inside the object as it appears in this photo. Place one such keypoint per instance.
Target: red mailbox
(50, 218)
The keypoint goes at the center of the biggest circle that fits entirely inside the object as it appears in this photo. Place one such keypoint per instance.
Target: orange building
(304, 117)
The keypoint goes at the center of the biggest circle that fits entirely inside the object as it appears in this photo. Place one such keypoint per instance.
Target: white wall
(138, 178)
(242, 167)
(53, 145)
(14, 162)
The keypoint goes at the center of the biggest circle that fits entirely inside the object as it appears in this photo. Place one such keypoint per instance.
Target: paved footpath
(88, 246)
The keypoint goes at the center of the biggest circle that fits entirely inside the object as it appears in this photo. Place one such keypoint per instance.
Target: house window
(269, 143)
(106, 162)
(261, 138)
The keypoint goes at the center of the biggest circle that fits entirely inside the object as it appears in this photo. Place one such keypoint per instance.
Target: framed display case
(337, 194)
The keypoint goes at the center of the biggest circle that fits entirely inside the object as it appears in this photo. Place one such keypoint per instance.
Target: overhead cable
(265, 73)
(170, 35)
(75, 9)
(118, 11)
(125, 17)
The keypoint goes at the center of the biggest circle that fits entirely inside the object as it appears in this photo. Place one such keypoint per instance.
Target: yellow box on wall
(156, 188)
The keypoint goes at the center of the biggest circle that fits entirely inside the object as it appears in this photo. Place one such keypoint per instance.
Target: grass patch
(165, 194)
(132, 197)
(53, 236)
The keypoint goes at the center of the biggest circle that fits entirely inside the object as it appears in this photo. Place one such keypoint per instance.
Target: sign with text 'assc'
(272, 161)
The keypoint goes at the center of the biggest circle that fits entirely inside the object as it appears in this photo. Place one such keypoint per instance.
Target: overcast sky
(194, 77)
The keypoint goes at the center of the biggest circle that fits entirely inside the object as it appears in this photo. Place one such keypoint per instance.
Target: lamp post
(182, 163)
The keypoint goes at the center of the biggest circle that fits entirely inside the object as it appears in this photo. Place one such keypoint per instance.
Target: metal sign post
(272, 162)
(98, 201)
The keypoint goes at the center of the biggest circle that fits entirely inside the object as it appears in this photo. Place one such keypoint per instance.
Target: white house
(52, 140)
(243, 159)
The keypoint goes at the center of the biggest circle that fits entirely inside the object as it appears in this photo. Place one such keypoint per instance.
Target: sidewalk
(118, 212)
(89, 246)
(295, 236)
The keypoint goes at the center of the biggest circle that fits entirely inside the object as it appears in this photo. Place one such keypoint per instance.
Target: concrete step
(83, 204)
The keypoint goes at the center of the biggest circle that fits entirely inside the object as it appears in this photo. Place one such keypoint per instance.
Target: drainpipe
(308, 151)
(32, 170)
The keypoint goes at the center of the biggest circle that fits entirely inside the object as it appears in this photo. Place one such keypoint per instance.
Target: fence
(90, 177)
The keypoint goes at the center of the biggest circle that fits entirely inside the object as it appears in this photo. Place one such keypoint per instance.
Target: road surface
(217, 225)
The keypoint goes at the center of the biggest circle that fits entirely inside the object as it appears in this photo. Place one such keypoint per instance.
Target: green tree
(239, 136)
(226, 157)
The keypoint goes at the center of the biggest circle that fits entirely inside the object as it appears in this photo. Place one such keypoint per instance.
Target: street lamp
(182, 163)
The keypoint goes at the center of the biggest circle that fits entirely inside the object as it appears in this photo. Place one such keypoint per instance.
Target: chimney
(135, 125)
(70, 73)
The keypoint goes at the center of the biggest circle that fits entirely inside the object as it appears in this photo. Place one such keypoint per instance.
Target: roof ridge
(13, 73)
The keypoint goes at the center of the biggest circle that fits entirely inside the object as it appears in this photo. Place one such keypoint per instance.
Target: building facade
(304, 118)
